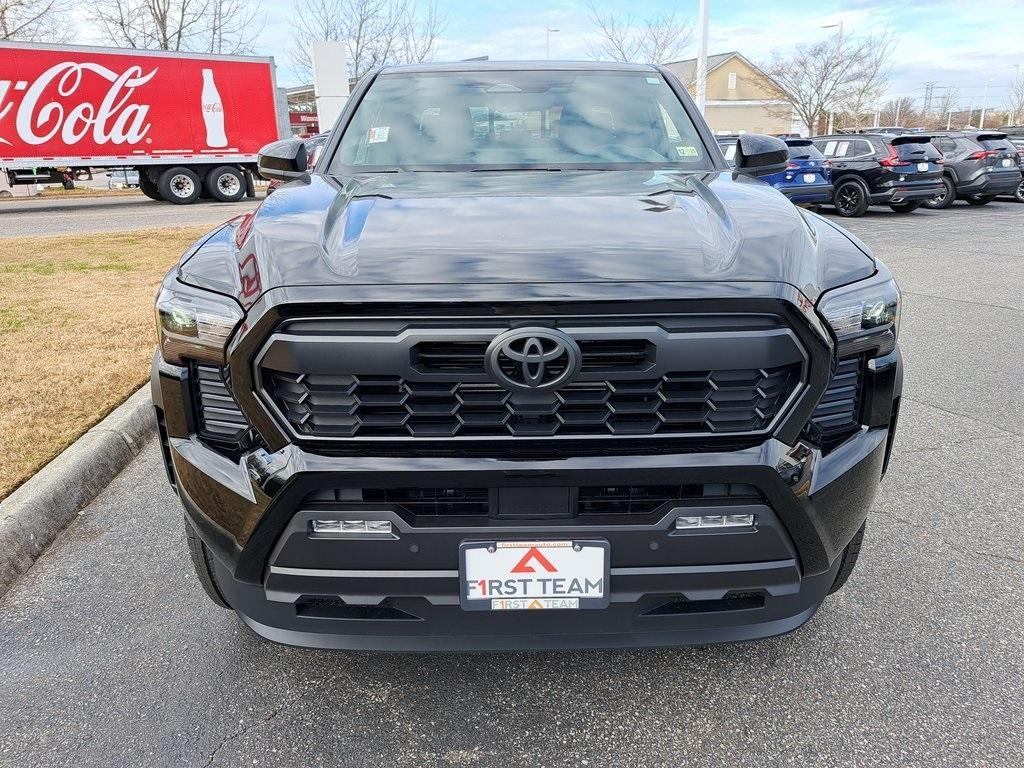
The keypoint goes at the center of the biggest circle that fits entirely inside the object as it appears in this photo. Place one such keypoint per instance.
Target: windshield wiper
(513, 170)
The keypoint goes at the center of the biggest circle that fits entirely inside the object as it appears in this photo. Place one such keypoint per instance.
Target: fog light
(351, 526)
(714, 521)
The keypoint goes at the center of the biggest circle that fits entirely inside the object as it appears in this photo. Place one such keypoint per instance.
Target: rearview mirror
(282, 160)
(759, 155)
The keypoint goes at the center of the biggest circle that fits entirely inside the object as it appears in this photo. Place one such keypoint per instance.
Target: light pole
(831, 113)
(1015, 86)
(547, 41)
(838, 26)
(702, 58)
(984, 100)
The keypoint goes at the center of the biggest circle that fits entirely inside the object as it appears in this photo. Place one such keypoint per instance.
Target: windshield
(520, 120)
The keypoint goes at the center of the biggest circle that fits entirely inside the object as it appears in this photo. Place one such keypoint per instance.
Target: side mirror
(282, 160)
(759, 155)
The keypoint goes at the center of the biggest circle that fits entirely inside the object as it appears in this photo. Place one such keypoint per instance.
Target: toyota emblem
(532, 359)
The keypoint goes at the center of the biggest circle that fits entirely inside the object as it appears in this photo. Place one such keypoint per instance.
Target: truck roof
(504, 66)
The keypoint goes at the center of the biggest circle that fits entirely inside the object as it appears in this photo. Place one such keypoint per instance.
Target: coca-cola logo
(46, 107)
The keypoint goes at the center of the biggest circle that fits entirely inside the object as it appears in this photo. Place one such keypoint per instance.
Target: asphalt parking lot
(111, 655)
(27, 218)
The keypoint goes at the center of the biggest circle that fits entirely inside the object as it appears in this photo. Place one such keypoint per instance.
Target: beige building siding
(748, 84)
(733, 79)
(755, 118)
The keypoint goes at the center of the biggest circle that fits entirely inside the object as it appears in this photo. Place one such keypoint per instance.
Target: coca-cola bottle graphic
(213, 112)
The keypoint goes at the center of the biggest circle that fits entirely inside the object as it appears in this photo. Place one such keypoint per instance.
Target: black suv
(521, 363)
(875, 169)
(979, 165)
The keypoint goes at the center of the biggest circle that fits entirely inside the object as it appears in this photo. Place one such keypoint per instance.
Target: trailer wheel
(226, 184)
(179, 185)
(148, 187)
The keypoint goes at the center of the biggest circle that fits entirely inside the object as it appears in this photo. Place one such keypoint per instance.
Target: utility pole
(702, 58)
(899, 104)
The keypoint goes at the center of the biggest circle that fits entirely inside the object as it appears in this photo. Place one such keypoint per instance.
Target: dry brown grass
(76, 335)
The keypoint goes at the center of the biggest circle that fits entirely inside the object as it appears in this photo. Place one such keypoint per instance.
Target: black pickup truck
(522, 363)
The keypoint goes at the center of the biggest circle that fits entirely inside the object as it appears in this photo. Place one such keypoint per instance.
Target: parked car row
(852, 172)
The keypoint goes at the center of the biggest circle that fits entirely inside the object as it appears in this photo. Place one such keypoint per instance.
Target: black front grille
(631, 499)
(418, 501)
(685, 402)
(837, 415)
(434, 501)
(623, 500)
(597, 356)
(218, 415)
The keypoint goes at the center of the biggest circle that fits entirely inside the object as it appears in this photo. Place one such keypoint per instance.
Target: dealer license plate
(922, 166)
(525, 575)
(1007, 162)
(808, 178)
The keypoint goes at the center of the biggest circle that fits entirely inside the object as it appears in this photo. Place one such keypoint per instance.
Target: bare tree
(212, 26)
(822, 78)
(656, 39)
(1015, 101)
(375, 32)
(946, 106)
(864, 92)
(900, 111)
(36, 20)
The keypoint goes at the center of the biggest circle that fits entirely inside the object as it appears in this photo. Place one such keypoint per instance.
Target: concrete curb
(32, 516)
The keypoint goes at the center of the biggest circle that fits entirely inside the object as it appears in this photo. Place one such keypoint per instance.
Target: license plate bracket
(559, 574)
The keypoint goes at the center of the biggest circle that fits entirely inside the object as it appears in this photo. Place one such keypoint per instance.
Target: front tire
(945, 198)
(850, 199)
(179, 185)
(980, 199)
(905, 207)
(225, 184)
(202, 561)
(850, 555)
(1019, 194)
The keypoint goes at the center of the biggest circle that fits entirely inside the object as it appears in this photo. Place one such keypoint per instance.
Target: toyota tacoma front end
(521, 363)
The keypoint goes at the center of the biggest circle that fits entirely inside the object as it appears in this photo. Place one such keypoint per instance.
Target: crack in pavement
(967, 416)
(961, 301)
(932, 534)
(247, 727)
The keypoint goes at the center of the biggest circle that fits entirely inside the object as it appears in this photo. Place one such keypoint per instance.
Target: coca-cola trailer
(190, 123)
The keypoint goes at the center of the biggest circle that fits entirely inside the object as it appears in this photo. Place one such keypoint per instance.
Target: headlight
(194, 323)
(865, 315)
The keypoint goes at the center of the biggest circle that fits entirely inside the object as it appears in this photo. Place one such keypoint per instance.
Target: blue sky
(948, 41)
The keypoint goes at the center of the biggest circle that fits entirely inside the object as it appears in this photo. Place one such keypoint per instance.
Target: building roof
(686, 70)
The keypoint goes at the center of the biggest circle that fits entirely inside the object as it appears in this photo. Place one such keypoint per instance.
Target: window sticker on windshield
(687, 151)
(653, 80)
(378, 134)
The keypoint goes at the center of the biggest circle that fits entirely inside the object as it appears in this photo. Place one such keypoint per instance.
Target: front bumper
(402, 594)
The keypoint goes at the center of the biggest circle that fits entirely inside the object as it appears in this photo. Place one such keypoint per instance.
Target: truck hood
(425, 229)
